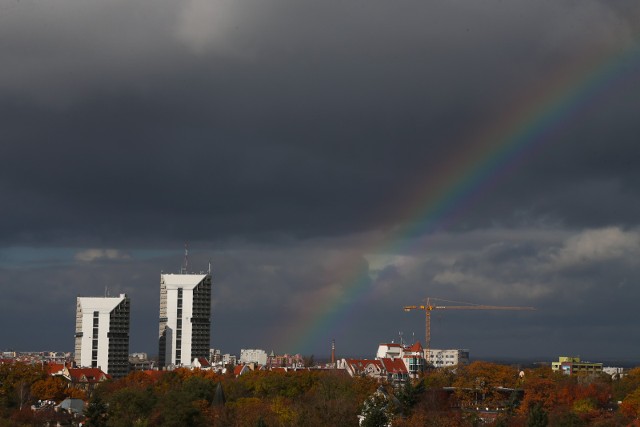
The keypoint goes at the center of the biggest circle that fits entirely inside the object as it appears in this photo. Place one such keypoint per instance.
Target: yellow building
(573, 365)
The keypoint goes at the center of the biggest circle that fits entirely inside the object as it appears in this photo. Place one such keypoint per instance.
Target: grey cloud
(281, 138)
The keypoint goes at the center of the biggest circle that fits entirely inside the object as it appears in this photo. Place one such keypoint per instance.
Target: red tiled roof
(361, 364)
(53, 368)
(203, 362)
(394, 366)
(90, 375)
(417, 347)
(238, 370)
(392, 345)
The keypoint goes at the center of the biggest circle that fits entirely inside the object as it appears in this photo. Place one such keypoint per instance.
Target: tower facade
(102, 334)
(185, 318)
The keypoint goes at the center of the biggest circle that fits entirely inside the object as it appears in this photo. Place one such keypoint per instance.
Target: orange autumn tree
(50, 388)
(540, 388)
(630, 406)
(482, 381)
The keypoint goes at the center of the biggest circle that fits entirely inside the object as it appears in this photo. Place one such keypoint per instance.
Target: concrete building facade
(253, 356)
(185, 318)
(443, 358)
(102, 334)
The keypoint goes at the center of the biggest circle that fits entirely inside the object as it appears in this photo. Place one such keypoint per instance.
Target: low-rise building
(615, 371)
(253, 356)
(229, 359)
(386, 368)
(573, 365)
(362, 367)
(447, 358)
(201, 363)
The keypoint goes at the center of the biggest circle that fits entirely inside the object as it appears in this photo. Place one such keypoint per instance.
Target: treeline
(539, 397)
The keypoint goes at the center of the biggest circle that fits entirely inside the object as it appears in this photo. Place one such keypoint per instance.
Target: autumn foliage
(478, 394)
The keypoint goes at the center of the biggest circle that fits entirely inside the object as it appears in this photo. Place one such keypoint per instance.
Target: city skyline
(332, 162)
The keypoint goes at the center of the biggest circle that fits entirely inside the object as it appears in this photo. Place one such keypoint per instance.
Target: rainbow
(492, 154)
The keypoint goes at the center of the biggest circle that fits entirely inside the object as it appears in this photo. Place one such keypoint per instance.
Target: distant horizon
(626, 362)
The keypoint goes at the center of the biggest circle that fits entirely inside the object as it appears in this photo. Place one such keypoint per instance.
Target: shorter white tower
(102, 334)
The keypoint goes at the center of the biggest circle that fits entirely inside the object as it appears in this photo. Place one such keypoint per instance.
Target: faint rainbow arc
(496, 153)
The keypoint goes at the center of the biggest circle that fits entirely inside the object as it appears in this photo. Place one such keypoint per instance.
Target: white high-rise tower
(102, 334)
(185, 324)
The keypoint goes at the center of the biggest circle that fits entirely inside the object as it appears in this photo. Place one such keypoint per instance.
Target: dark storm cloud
(293, 117)
(280, 137)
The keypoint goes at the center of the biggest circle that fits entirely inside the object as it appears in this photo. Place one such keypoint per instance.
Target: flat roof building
(573, 365)
(102, 334)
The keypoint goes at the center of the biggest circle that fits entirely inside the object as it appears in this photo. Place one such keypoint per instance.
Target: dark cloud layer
(282, 138)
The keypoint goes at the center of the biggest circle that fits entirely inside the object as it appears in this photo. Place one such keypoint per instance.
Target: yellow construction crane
(428, 307)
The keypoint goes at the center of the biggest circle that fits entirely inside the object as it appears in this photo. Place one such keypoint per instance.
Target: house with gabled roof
(201, 363)
(395, 369)
(363, 367)
(240, 370)
(84, 379)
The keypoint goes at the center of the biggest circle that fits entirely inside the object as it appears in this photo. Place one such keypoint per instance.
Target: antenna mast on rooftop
(185, 264)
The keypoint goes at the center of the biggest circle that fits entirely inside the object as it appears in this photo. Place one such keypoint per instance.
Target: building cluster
(398, 362)
(36, 357)
(102, 327)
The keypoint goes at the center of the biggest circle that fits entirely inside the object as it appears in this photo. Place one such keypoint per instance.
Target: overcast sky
(334, 160)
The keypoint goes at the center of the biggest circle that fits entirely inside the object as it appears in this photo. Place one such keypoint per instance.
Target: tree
(15, 384)
(130, 407)
(309, 361)
(376, 410)
(480, 381)
(409, 394)
(630, 406)
(96, 412)
(50, 388)
(537, 416)
(375, 416)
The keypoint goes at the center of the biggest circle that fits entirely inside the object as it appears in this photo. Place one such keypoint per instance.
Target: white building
(412, 356)
(102, 334)
(444, 358)
(185, 324)
(229, 359)
(391, 350)
(614, 371)
(253, 356)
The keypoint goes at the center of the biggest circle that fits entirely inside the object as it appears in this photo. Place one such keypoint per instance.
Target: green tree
(130, 407)
(96, 412)
(537, 416)
(309, 361)
(409, 394)
(376, 410)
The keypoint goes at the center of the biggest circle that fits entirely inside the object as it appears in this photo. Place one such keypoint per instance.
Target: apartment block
(102, 334)
(185, 319)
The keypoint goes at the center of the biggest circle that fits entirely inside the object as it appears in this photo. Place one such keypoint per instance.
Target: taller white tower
(102, 334)
(185, 323)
